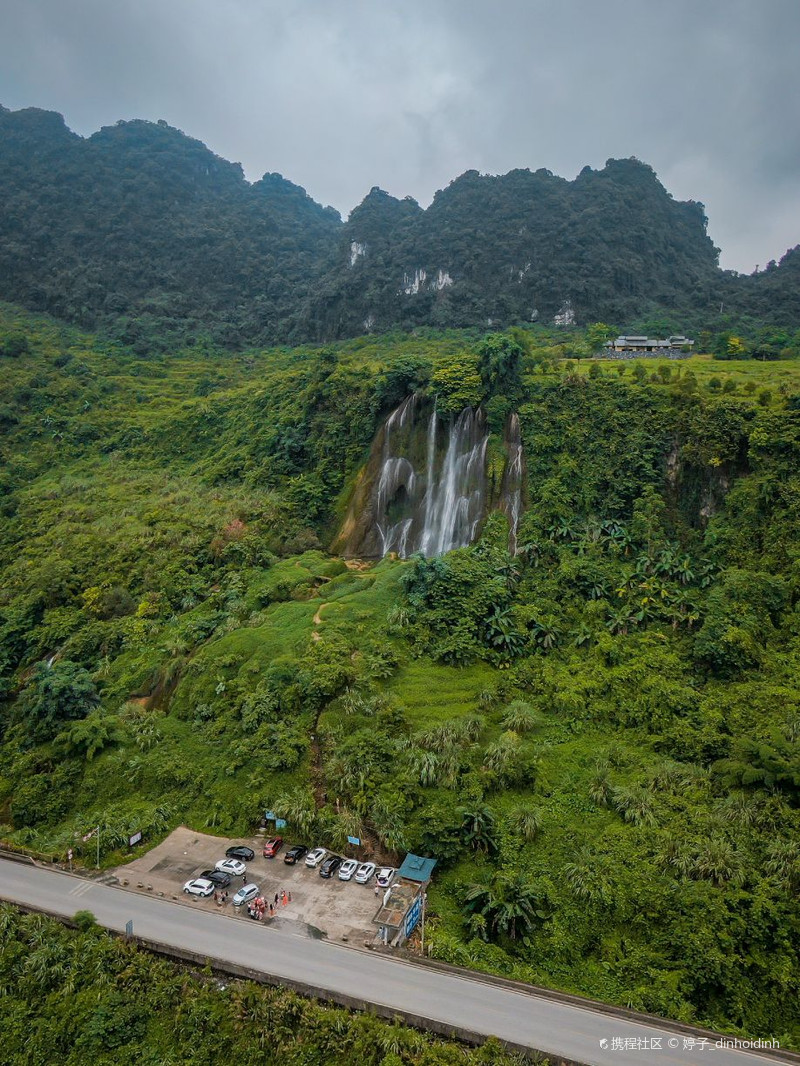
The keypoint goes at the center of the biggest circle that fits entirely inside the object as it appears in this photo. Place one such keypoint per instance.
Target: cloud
(340, 96)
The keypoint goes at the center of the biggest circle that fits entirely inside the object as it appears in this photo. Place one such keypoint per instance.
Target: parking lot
(340, 910)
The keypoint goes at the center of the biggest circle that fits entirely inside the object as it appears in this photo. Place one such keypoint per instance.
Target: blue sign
(354, 840)
(412, 917)
(280, 823)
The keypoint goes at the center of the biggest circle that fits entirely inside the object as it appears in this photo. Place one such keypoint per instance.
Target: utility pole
(98, 847)
(422, 929)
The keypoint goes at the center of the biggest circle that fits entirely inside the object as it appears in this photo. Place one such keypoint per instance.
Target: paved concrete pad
(339, 910)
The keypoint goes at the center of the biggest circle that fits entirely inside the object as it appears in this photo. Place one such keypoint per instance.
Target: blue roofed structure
(417, 868)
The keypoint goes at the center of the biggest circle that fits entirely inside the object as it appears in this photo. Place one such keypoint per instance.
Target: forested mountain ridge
(145, 229)
(519, 247)
(144, 232)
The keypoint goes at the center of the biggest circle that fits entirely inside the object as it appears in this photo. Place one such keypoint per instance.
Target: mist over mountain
(143, 231)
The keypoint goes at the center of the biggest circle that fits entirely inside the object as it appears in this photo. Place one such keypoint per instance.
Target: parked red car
(272, 847)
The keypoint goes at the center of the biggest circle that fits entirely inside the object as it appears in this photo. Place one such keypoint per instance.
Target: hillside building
(669, 346)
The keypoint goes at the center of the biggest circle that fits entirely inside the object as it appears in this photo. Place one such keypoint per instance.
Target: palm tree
(501, 633)
(683, 570)
(635, 804)
(425, 767)
(530, 552)
(91, 734)
(297, 808)
(671, 854)
(583, 635)
(387, 821)
(546, 633)
(783, 863)
(739, 808)
(346, 824)
(509, 905)
(611, 529)
(719, 862)
(502, 757)
(477, 830)
(567, 530)
(625, 542)
(585, 878)
(471, 727)
(527, 821)
(600, 788)
(520, 717)
(619, 621)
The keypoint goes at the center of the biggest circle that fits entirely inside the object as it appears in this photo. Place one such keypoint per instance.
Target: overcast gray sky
(341, 95)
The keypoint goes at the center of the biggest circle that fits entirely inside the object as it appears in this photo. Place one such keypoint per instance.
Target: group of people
(221, 897)
(259, 907)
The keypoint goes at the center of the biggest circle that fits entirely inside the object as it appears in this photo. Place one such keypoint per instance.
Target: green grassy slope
(598, 738)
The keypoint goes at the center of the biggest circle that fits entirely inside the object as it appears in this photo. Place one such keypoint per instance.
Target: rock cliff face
(425, 487)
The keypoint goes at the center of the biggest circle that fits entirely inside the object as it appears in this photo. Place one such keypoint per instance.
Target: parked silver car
(347, 869)
(199, 886)
(231, 866)
(245, 894)
(365, 873)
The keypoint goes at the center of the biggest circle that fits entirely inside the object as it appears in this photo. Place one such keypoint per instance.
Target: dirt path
(317, 778)
(318, 619)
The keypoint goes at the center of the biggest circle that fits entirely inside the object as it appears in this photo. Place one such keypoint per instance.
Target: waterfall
(511, 492)
(425, 487)
(455, 502)
(429, 482)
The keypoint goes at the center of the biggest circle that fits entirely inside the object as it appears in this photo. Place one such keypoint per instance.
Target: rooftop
(417, 868)
(398, 898)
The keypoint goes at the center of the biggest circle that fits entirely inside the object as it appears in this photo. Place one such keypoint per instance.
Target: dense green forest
(597, 737)
(144, 232)
(78, 996)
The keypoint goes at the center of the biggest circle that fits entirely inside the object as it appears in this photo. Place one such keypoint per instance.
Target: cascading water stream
(456, 500)
(512, 480)
(425, 488)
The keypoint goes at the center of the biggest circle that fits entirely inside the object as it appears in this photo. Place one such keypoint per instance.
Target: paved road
(559, 1029)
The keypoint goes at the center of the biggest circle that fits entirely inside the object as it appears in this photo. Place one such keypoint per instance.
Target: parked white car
(386, 876)
(245, 894)
(315, 857)
(347, 869)
(199, 887)
(365, 873)
(231, 866)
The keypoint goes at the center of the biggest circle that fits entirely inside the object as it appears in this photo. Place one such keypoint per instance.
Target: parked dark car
(272, 847)
(239, 851)
(295, 852)
(217, 878)
(330, 866)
